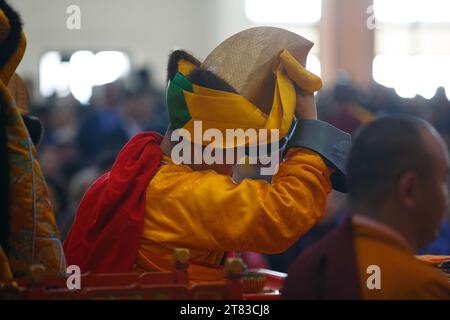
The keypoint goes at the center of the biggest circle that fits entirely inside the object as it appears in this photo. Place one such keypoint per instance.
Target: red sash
(107, 230)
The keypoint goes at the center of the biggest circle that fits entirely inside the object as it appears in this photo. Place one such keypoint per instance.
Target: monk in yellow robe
(198, 205)
(398, 172)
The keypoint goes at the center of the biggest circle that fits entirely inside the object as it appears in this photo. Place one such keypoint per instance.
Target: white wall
(147, 29)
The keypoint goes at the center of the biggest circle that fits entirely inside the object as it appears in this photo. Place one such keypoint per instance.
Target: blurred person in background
(100, 127)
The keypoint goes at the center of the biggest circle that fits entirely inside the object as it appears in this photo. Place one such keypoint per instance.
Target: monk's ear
(408, 189)
(181, 61)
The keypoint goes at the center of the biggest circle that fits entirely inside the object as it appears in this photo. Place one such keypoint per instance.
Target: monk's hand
(306, 83)
(305, 105)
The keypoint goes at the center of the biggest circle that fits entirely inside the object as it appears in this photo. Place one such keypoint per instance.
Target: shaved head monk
(398, 172)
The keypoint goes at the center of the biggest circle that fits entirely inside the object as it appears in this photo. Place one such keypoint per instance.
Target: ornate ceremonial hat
(262, 65)
(247, 60)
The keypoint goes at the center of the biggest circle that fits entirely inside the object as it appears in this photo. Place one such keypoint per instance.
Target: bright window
(284, 11)
(410, 11)
(413, 74)
(298, 16)
(80, 73)
(313, 64)
(412, 46)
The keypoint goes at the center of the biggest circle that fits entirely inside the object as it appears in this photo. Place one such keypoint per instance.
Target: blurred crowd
(81, 141)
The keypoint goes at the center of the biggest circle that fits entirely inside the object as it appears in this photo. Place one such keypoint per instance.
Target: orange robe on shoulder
(349, 261)
(403, 276)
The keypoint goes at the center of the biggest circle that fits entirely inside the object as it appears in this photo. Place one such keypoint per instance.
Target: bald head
(385, 149)
(398, 172)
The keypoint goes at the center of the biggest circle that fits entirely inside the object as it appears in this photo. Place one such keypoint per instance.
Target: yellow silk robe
(210, 214)
(403, 276)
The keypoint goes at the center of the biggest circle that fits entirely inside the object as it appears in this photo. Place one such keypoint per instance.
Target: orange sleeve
(203, 209)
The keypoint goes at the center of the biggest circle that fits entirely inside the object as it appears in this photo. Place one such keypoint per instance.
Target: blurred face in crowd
(140, 108)
(425, 194)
